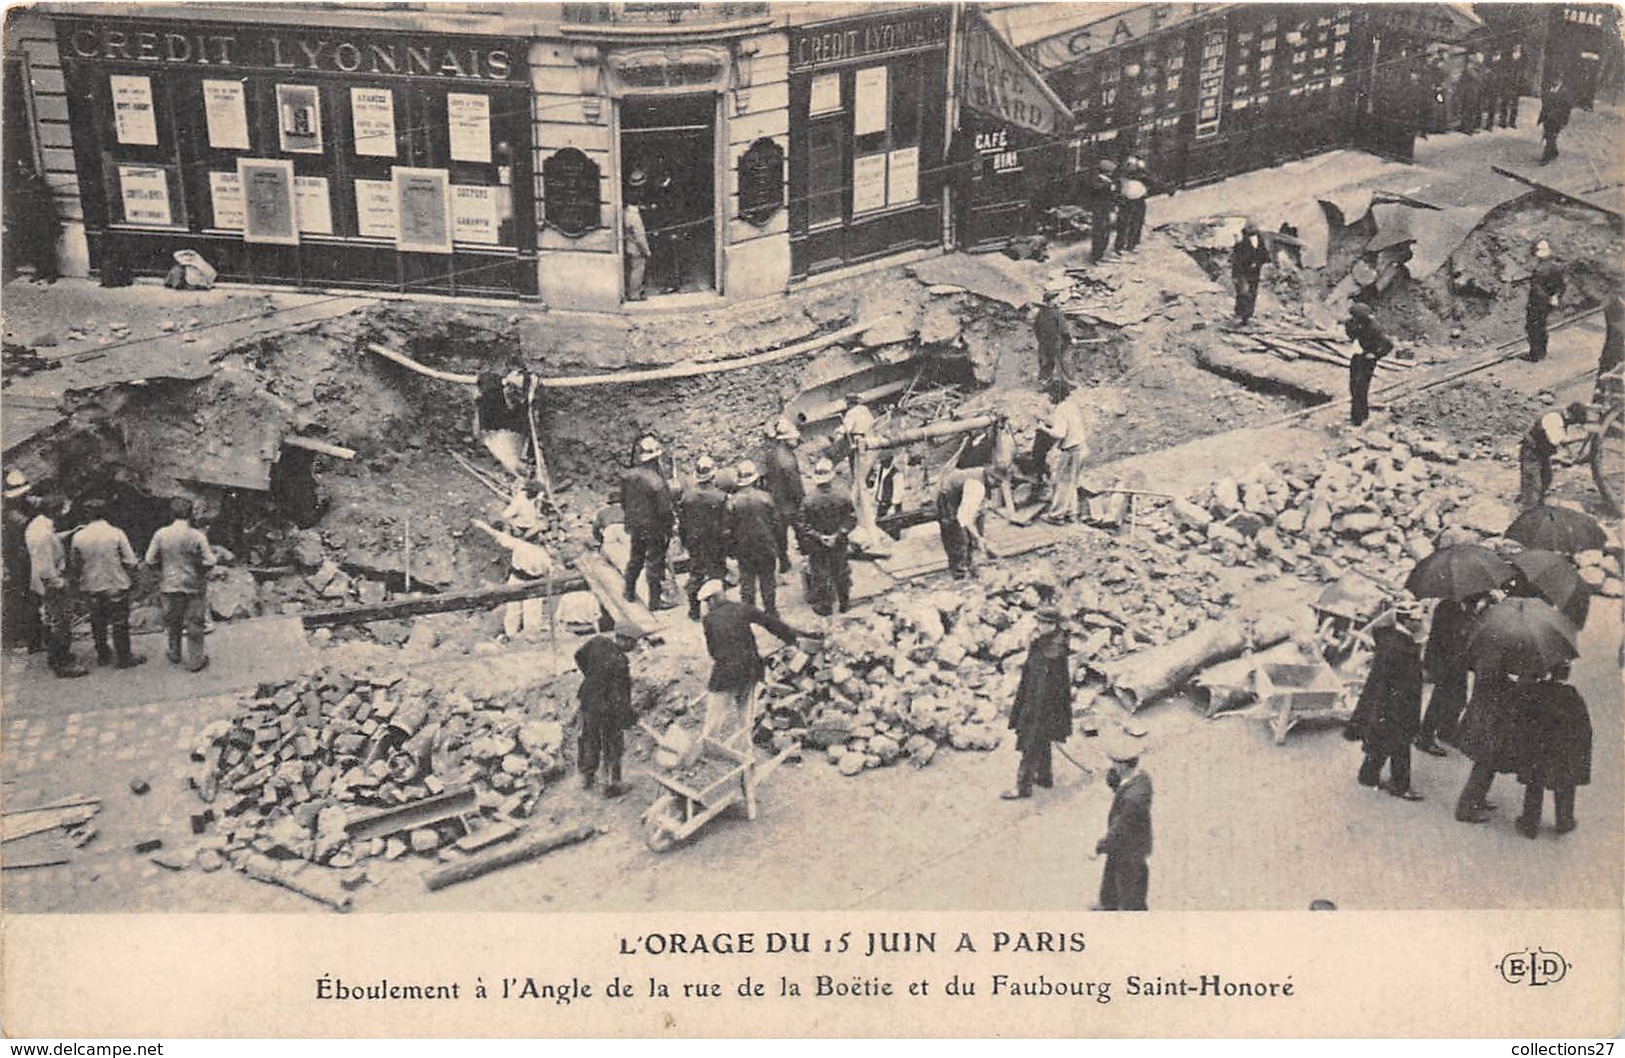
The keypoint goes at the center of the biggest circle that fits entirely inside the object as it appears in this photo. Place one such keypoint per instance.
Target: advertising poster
(468, 119)
(869, 183)
(869, 108)
(145, 191)
(268, 201)
(423, 209)
(225, 111)
(299, 118)
(826, 94)
(375, 209)
(134, 120)
(372, 117)
(226, 196)
(903, 177)
(474, 214)
(311, 205)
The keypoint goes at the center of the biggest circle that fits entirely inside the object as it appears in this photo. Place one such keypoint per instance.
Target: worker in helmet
(646, 498)
(781, 477)
(703, 535)
(751, 525)
(825, 527)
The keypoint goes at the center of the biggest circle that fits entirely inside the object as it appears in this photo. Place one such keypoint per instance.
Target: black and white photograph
(808, 491)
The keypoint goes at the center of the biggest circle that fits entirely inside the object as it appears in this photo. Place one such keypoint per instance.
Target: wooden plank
(26, 824)
(310, 445)
(445, 602)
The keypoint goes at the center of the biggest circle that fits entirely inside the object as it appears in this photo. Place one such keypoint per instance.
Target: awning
(995, 81)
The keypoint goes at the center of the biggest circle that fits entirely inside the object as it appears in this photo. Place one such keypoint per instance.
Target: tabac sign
(994, 80)
(1125, 26)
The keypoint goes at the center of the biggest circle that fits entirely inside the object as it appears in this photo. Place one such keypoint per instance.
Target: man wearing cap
(781, 476)
(48, 579)
(751, 525)
(1042, 712)
(104, 559)
(961, 499)
(183, 557)
(634, 237)
(1066, 456)
(20, 609)
(1247, 260)
(1127, 844)
(1054, 336)
(1546, 286)
(1361, 327)
(646, 500)
(702, 532)
(827, 521)
(736, 664)
(1389, 711)
(1097, 193)
(1540, 444)
(606, 708)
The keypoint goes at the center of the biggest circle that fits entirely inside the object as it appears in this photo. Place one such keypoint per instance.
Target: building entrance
(668, 168)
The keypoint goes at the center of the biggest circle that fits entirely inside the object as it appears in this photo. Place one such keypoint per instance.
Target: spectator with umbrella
(1462, 576)
(1390, 705)
(1559, 757)
(1547, 575)
(1518, 641)
(1560, 529)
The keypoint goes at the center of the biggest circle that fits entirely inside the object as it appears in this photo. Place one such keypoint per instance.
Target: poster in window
(423, 210)
(268, 202)
(468, 120)
(375, 209)
(226, 114)
(826, 94)
(299, 118)
(474, 214)
(372, 117)
(134, 120)
(903, 176)
(145, 191)
(311, 206)
(869, 183)
(226, 199)
(869, 105)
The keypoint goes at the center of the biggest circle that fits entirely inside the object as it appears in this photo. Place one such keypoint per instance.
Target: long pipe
(951, 428)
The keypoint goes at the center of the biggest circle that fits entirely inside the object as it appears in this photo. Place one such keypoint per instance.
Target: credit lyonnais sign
(996, 81)
(224, 47)
(1124, 27)
(870, 38)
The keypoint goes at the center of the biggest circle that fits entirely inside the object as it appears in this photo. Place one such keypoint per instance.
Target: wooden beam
(309, 445)
(507, 855)
(445, 602)
(1549, 189)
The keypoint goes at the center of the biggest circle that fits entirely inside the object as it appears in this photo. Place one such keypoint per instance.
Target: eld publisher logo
(1534, 967)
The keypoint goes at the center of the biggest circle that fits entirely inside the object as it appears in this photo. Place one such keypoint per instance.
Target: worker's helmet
(1123, 751)
(1134, 163)
(853, 399)
(1542, 249)
(649, 448)
(784, 430)
(823, 472)
(17, 483)
(747, 473)
(1106, 165)
(710, 589)
(705, 468)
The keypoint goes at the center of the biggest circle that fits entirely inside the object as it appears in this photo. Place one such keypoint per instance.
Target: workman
(634, 236)
(1042, 711)
(1247, 260)
(605, 708)
(781, 477)
(1361, 327)
(961, 500)
(1125, 879)
(702, 530)
(1546, 286)
(751, 525)
(183, 557)
(646, 498)
(1054, 336)
(1133, 192)
(1097, 193)
(1555, 107)
(1540, 444)
(20, 608)
(1066, 456)
(1389, 710)
(48, 579)
(736, 664)
(528, 562)
(824, 531)
(103, 560)
(857, 427)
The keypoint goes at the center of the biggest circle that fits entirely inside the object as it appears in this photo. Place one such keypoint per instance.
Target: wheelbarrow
(1291, 693)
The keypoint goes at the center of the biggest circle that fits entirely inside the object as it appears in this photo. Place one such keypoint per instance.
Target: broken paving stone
(139, 786)
(210, 860)
(149, 845)
(425, 839)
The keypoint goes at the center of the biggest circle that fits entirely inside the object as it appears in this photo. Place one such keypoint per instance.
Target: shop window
(886, 134)
(826, 172)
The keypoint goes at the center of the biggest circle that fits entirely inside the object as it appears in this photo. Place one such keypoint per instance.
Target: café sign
(1124, 27)
(224, 47)
(997, 82)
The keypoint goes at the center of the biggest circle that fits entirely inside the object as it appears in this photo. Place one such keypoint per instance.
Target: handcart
(1292, 693)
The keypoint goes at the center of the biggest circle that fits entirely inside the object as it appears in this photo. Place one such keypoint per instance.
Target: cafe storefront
(352, 157)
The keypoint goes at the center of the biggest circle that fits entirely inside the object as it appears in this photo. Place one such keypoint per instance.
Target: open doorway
(668, 148)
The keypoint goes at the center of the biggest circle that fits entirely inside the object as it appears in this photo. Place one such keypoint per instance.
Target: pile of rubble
(334, 770)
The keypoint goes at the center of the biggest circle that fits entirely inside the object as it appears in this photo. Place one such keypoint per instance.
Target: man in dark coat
(736, 664)
(1546, 286)
(1127, 844)
(606, 709)
(646, 499)
(1042, 712)
(1492, 737)
(1247, 261)
(1390, 707)
(751, 525)
(1560, 757)
(827, 521)
(1444, 665)
(1613, 339)
(781, 478)
(1097, 194)
(20, 609)
(1555, 107)
(702, 532)
(1054, 337)
(1362, 329)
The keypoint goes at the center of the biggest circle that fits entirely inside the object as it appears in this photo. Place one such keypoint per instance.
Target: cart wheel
(1608, 461)
(661, 823)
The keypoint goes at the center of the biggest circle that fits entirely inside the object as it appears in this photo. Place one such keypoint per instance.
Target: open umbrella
(1521, 637)
(1550, 575)
(1557, 529)
(1458, 572)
